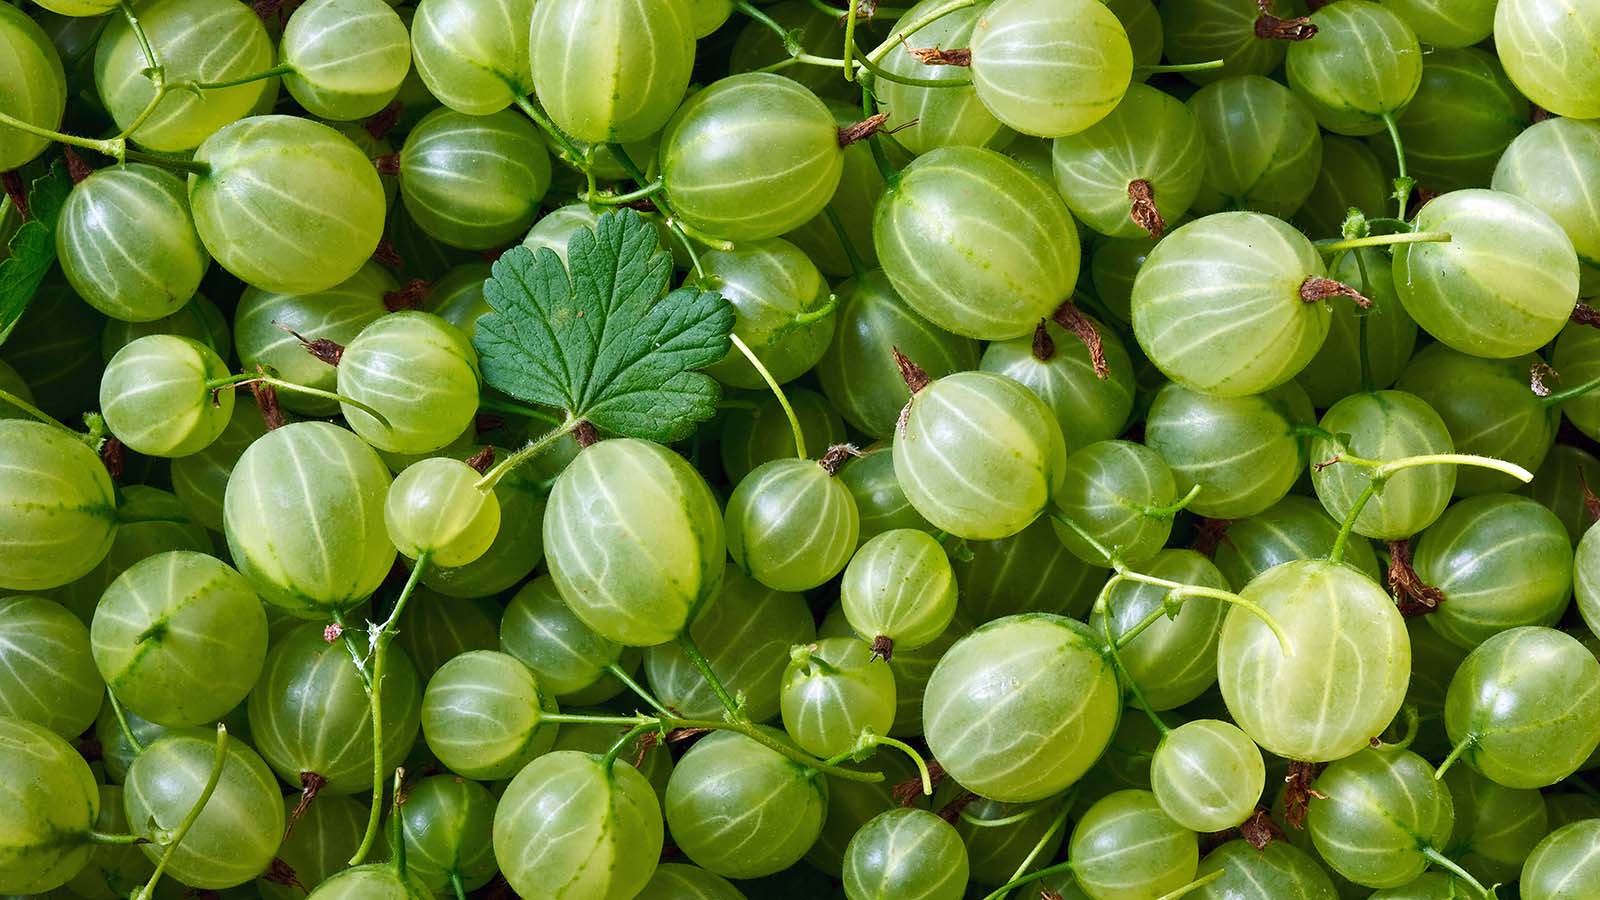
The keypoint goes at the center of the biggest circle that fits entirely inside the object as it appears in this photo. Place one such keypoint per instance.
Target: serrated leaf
(33, 247)
(600, 337)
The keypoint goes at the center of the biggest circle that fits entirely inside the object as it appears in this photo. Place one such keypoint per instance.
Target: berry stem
(1363, 351)
(692, 650)
(1385, 240)
(1167, 512)
(644, 193)
(1180, 67)
(1104, 602)
(772, 384)
(891, 177)
(264, 74)
(1382, 471)
(101, 837)
(380, 637)
(1000, 892)
(622, 675)
(221, 756)
(569, 150)
(1194, 885)
(122, 722)
(607, 761)
(850, 39)
(113, 148)
(248, 378)
(1559, 397)
(533, 448)
(10, 399)
(137, 27)
(905, 29)
(916, 759)
(1450, 865)
(455, 885)
(1466, 743)
(1404, 182)
(1336, 555)
(1056, 824)
(857, 267)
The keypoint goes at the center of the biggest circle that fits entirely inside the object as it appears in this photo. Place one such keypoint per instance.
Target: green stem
(263, 75)
(455, 885)
(1044, 839)
(916, 758)
(247, 378)
(905, 29)
(569, 150)
(857, 266)
(1362, 349)
(1404, 183)
(1181, 67)
(872, 67)
(1194, 885)
(1413, 724)
(1346, 528)
(622, 675)
(349, 642)
(122, 722)
(100, 837)
(772, 384)
(1116, 658)
(1449, 865)
(1029, 878)
(644, 193)
(875, 141)
(882, 12)
(1453, 459)
(607, 761)
(221, 756)
(818, 314)
(850, 39)
(491, 403)
(1559, 397)
(1467, 743)
(663, 203)
(111, 148)
(769, 22)
(170, 162)
(1385, 240)
(381, 637)
(529, 451)
(10, 399)
(1167, 512)
(579, 719)
(692, 650)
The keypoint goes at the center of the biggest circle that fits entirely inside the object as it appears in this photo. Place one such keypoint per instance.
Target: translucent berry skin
(349, 57)
(57, 507)
(1207, 775)
(54, 803)
(909, 853)
(374, 881)
(468, 54)
(943, 116)
(1280, 872)
(783, 180)
(1125, 847)
(1173, 661)
(47, 671)
(303, 514)
(1461, 120)
(1553, 58)
(1446, 23)
(1263, 147)
(288, 204)
(1384, 426)
(1087, 407)
(128, 245)
(1345, 639)
(1378, 811)
(979, 455)
(1502, 286)
(420, 372)
(1555, 165)
(435, 507)
(1050, 67)
(899, 585)
(1525, 701)
(1564, 863)
(1108, 490)
(791, 524)
(1364, 63)
(976, 244)
(1218, 29)
(474, 181)
(483, 715)
(780, 303)
(1022, 707)
(1200, 437)
(156, 396)
(568, 827)
(1223, 283)
(634, 539)
(37, 86)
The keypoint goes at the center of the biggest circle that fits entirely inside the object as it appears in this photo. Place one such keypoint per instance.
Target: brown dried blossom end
(1259, 830)
(323, 349)
(1541, 378)
(1142, 208)
(409, 297)
(1044, 346)
(1412, 595)
(1275, 28)
(267, 400)
(915, 377)
(280, 872)
(311, 784)
(837, 455)
(586, 435)
(111, 454)
(77, 169)
(1584, 314)
(860, 131)
(1209, 534)
(482, 460)
(386, 254)
(883, 648)
(384, 120)
(1070, 317)
(937, 56)
(1297, 796)
(1317, 289)
(1591, 503)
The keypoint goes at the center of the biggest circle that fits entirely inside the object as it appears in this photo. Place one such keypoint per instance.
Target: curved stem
(1560, 397)
(139, 35)
(1116, 658)
(1044, 839)
(569, 150)
(1181, 67)
(770, 23)
(663, 203)
(170, 162)
(610, 758)
(381, 636)
(246, 378)
(850, 39)
(858, 268)
(533, 448)
(905, 30)
(1029, 878)
(122, 722)
(1453, 459)
(772, 383)
(1194, 885)
(692, 650)
(622, 675)
(1167, 512)
(1449, 865)
(1362, 344)
(217, 761)
(111, 148)
(1346, 528)
(644, 193)
(10, 399)
(916, 758)
(871, 66)
(1404, 183)
(1467, 743)
(875, 141)
(263, 75)
(1413, 724)
(1385, 240)
(101, 837)
(355, 652)
(816, 315)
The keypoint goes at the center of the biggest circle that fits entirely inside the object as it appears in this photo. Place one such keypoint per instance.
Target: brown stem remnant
(1584, 314)
(1209, 535)
(906, 792)
(328, 351)
(1070, 317)
(408, 297)
(1316, 289)
(1142, 208)
(951, 811)
(937, 56)
(1297, 796)
(1540, 378)
(280, 872)
(111, 453)
(1270, 27)
(1044, 346)
(77, 169)
(1259, 830)
(386, 254)
(585, 434)
(912, 374)
(17, 192)
(1591, 503)
(1537, 113)
(883, 647)
(482, 460)
(860, 131)
(387, 164)
(837, 455)
(311, 784)
(384, 120)
(1414, 596)
(267, 399)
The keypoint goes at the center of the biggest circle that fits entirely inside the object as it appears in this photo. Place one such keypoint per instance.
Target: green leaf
(33, 247)
(605, 342)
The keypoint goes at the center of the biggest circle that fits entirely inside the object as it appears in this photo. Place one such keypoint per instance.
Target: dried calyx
(1070, 317)
(837, 455)
(1275, 28)
(1414, 596)
(1142, 208)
